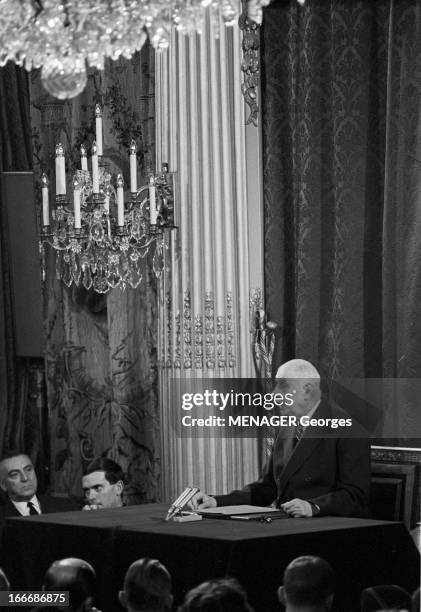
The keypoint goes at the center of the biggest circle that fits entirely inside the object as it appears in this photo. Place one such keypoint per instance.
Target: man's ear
(281, 595)
(120, 486)
(329, 601)
(2, 483)
(88, 603)
(122, 598)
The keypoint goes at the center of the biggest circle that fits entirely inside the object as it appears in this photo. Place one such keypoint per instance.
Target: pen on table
(265, 519)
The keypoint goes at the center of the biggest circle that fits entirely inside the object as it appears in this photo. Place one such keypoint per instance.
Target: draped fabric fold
(341, 115)
(15, 155)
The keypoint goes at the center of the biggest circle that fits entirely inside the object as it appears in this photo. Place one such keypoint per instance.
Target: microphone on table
(181, 501)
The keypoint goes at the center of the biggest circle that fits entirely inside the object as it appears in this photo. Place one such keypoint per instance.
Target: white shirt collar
(22, 506)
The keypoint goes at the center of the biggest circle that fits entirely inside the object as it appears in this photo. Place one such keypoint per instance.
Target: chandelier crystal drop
(64, 37)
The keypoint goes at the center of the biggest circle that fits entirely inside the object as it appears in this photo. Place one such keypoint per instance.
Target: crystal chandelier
(63, 37)
(100, 241)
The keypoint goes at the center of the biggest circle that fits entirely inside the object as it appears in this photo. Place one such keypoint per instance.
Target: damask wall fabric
(342, 174)
(100, 355)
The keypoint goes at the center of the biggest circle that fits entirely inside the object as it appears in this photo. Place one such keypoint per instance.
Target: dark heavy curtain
(15, 155)
(341, 92)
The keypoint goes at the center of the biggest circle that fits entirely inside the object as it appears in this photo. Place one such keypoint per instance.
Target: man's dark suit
(330, 470)
(47, 503)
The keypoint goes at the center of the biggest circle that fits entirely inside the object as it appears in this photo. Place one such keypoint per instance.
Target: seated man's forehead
(16, 463)
(93, 479)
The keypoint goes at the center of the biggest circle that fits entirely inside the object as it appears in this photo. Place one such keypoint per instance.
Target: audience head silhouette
(416, 607)
(4, 583)
(385, 598)
(147, 587)
(73, 575)
(308, 586)
(221, 595)
(103, 483)
(18, 479)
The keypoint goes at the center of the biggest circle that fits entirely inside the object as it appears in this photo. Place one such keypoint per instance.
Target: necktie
(32, 509)
(299, 431)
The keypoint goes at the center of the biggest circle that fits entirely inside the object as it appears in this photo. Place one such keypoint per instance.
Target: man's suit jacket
(330, 467)
(47, 503)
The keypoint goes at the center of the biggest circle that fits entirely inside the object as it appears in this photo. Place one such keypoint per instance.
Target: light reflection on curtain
(101, 350)
(342, 152)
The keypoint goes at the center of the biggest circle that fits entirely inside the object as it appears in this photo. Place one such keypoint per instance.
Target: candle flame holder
(102, 254)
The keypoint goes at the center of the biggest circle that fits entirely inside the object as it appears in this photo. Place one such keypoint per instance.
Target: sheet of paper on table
(232, 510)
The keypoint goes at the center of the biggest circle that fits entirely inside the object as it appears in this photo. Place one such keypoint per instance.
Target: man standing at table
(312, 470)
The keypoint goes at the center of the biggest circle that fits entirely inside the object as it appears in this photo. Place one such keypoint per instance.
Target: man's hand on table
(201, 501)
(91, 507)
(298, 508)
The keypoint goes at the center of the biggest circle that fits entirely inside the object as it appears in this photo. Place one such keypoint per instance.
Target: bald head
(298, 368)
(74, 575)
(309, 585)
(302, 380)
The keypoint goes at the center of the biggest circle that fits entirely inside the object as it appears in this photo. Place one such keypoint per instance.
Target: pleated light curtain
(215, 257)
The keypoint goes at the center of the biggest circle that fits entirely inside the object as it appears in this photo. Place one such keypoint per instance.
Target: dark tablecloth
(363, 552)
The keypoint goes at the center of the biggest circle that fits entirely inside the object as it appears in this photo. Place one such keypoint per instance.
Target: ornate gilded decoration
(209, 330)
(187, 331)
(250, 64)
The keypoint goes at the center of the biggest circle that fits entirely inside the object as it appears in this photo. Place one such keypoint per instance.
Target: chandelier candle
(152, 201)
(98, 128)
(83, 159)
(133, 168)
(95, 170)
(120, 201)
(60, 170)
(45, 204)
(76, 203)
(107, 203)
(101, 240)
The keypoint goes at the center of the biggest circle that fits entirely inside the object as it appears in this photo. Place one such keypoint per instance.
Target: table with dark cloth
(363, 552)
